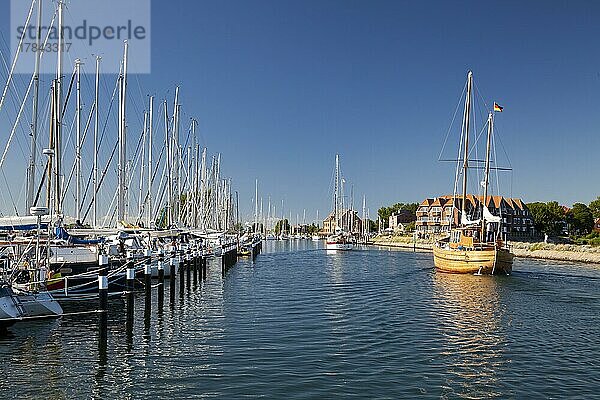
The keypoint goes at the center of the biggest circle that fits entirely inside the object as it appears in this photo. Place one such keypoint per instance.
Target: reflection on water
(301, 323)
(470, 315)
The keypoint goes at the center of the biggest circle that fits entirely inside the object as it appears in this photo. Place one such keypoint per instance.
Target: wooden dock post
(195, 265)
(181, 272)
(173, 264)
(161, 280)
(130, 282)
(103, 294)
(148, 277)
(188, 271)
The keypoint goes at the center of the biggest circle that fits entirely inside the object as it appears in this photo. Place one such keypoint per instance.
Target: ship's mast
(96, 131)
(203, 200)
(78, 145)
(122, 138)
(466, 127)
(336, 193)
(169, 167)
(487, 171)
(150, 167)
(176, 159)
(34, 116)
(58, 113)
(255, 205)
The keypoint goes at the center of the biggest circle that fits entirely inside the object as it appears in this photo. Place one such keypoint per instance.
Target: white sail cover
(487, 215)
(464, 219)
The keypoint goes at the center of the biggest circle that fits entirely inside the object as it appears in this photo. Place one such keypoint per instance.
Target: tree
(581, 219)
(595, 207)
(373, 226)
(282, 223)
(549, 217)
(385, 212)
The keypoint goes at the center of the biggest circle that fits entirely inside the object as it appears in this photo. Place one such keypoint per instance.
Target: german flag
(498, 107)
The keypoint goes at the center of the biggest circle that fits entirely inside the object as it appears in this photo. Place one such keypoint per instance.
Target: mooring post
(130, 283)
(173, 265)
(223, 259)
(161, 279)
(195, 265)
(148, 277)
(181, 272)
(103, 293)
(189, 267)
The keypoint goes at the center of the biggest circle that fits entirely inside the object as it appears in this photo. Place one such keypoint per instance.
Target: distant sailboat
(340, 239)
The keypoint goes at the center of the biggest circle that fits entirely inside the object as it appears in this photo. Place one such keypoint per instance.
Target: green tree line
(553, 219)
(385, 212)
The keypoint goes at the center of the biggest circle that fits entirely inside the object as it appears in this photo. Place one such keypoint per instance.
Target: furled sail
(464, 219)
(487, 215)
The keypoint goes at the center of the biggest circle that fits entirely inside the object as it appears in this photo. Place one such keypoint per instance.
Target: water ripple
(307, 324)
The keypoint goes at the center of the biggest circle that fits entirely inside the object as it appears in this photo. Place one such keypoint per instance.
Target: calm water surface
(301, 323)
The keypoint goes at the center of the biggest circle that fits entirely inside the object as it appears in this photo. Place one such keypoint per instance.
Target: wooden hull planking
(486, 262)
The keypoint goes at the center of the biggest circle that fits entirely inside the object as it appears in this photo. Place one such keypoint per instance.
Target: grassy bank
(561, 252)
(404, 242)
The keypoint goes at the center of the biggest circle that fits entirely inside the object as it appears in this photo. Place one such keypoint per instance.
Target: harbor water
(302, 323)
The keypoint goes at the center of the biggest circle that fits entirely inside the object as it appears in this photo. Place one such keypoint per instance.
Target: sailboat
(316, 236)
(474, 246)
(340, 239)
(17, 305)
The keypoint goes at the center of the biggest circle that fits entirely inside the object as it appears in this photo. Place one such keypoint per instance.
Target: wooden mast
(466, 126)
(487, 172)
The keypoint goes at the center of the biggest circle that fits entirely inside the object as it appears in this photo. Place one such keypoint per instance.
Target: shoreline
(538, 251)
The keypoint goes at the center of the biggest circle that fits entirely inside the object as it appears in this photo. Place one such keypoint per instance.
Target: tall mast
(486, 177)
(196, 173)
(34, 115)
(142, 164)
(96, 128)
(51, 147)
(78, 144)
(176, 159)
(150, 168)
(268, 220)
(203, 190)
(259, 219)
(188, 199)
(58, 113)
(336, 193)
(122, 138)
(255, 205)
(466, 127)
(168, 148)
(364, 213)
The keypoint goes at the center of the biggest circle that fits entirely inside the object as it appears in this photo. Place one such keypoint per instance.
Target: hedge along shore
(541, 251)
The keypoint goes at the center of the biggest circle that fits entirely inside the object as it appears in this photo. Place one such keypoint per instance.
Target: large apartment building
(434, 215)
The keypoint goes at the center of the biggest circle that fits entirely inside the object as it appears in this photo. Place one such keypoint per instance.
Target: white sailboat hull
(338, 246)
(14, 307)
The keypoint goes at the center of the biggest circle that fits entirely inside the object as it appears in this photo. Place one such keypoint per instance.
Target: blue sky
(280, 87)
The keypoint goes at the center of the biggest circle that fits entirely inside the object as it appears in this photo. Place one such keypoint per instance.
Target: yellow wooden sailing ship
(474, 247)
(462, 253)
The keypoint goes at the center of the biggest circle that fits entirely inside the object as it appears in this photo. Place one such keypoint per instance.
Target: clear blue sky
(279, 87)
